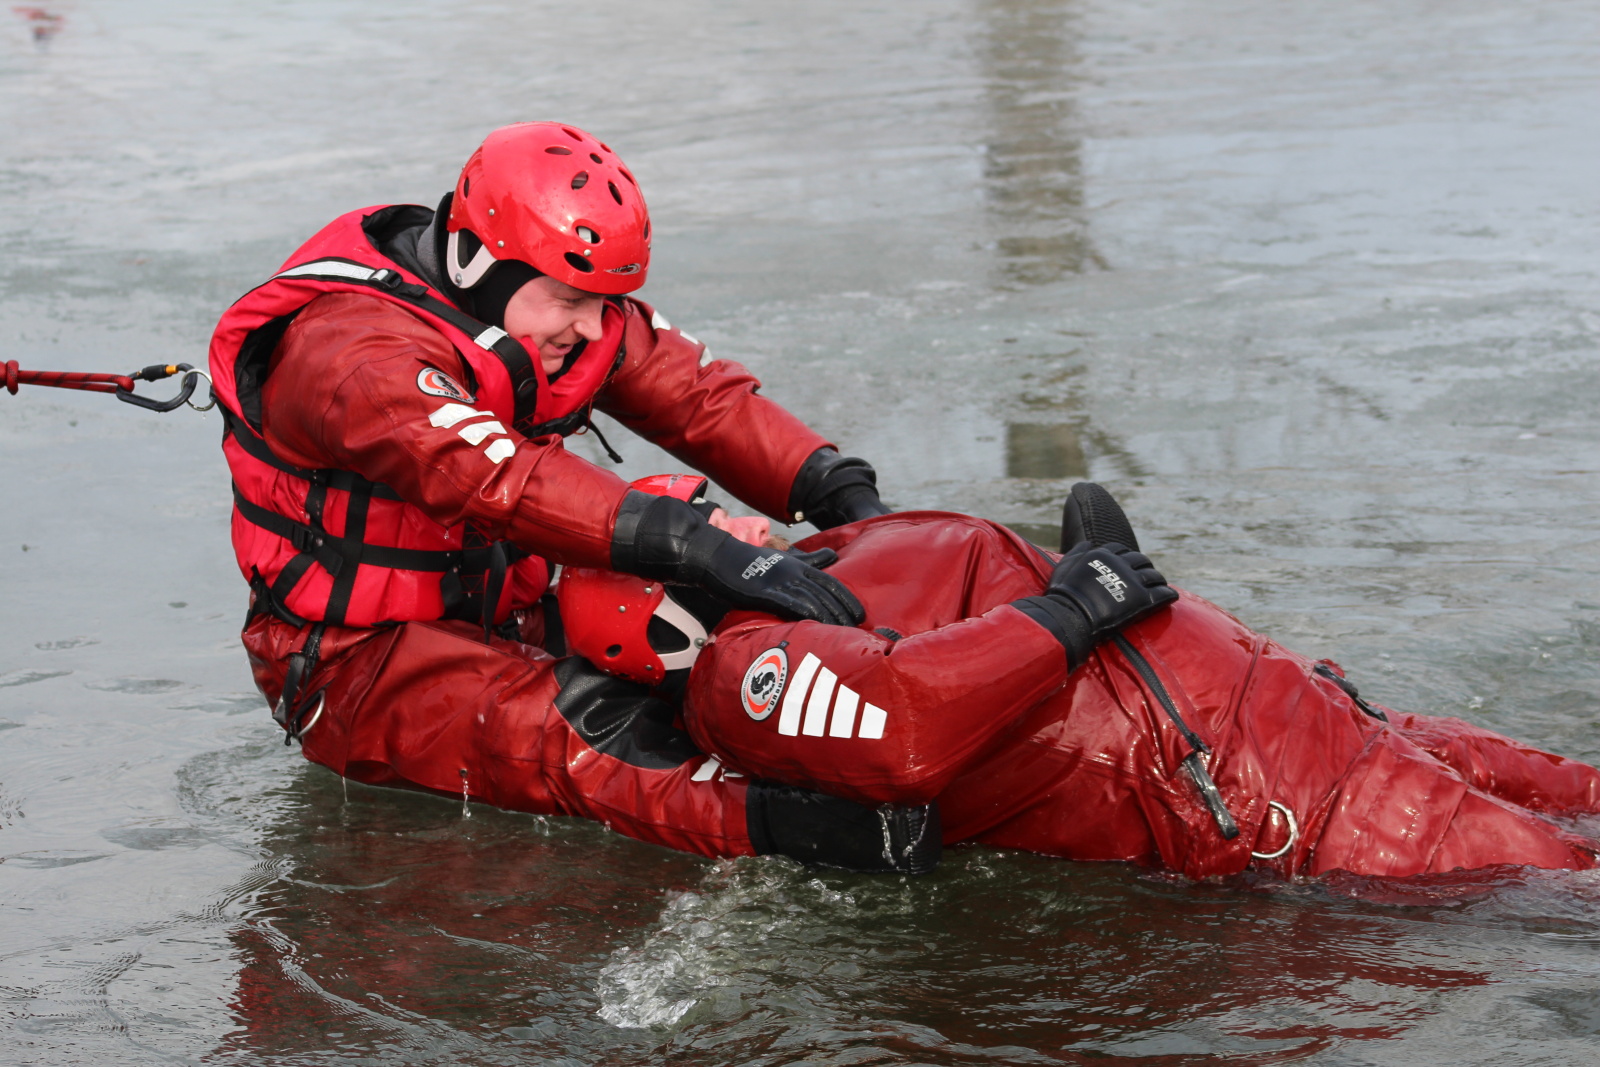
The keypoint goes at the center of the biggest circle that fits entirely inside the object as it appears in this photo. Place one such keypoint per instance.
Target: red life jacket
(331, 546)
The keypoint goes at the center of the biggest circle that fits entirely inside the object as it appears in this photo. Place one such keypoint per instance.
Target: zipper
(1192, 763)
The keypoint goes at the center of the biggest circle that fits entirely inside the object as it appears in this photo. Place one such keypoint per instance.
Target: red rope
(61, 379)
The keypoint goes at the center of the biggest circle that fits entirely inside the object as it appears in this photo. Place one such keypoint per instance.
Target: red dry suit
(947, 691)
(383, 479)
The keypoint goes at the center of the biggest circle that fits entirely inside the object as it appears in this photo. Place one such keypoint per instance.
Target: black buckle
(303, 538)
(392, 281)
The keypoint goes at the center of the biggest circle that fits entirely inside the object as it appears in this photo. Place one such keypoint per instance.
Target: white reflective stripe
(659, 321)
(473, 433)
(688, 338)
(488, 337)
(330, 267)
(451, 414)
(817, 706)
(707, 770)
(872, 722)
(501, 449)
(794, 695)
(844, 712)
(705, 358)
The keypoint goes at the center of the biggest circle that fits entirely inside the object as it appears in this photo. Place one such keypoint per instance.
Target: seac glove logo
(763, 683)
(435, 382)
(761, 566)
(1108, 578)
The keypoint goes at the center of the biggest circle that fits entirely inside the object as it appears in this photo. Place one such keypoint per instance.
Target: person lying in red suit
(978, 688)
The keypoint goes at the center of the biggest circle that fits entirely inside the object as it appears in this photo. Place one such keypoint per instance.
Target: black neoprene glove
(1093, 593)
(831, 490)
(663, 538)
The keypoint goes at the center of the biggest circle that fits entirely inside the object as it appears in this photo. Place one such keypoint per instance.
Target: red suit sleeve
(343, 393)
(707, 413)
(860, 715)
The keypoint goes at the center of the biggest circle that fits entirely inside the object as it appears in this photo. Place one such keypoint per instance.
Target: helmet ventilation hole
(627, 175)
(614, 651)
(580, 179)
(596, 157)
(466, 187)
(647, 229)
(557, 150)
(574, 134)
(615, 194)
(577, 262)
(588, 235)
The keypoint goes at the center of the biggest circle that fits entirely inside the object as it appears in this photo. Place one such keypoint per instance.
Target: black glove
(1093, 593)
(831, 490)
(663, 538)
(825, 831)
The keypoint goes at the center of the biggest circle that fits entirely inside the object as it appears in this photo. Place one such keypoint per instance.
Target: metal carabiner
(155, 373)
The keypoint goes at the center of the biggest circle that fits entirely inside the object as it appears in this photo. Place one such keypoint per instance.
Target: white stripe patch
(795, 695)
(473, 433)
(451, 414)
(817, 706)
(503, 449)
(872, 722)
(707, 770)
(844, 712)
(659, 321)
(488, 337)
(705, 357)
(806, 700)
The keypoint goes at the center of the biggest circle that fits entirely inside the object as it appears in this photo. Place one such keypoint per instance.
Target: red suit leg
(1501, 767)
(1399, 811)
(430, 706)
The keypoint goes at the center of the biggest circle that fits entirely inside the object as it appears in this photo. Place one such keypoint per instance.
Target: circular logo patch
(763, 683)
(435, 382)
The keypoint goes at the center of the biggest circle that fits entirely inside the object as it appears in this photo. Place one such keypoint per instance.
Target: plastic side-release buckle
(390, 280)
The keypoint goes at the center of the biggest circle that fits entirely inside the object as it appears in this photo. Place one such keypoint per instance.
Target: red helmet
(627, 625)
(554, 198)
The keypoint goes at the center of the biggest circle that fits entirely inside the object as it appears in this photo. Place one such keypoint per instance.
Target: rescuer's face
(550, 317)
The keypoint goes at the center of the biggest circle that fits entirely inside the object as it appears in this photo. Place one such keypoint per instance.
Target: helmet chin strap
(675, 614)
(468, 275)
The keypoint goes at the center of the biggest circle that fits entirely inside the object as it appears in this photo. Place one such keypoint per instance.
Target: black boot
(1092, 514)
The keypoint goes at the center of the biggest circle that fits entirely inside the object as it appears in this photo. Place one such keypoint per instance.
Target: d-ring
(322, 702)
(1294, 832)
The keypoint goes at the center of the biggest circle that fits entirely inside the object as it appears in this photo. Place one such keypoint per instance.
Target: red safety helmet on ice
(627, 625)
(555, 198)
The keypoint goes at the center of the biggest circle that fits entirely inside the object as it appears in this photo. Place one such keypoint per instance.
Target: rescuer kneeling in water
(1183, 741)
(395, 399)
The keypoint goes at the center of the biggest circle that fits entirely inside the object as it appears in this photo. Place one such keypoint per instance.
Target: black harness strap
(291, 710)
(355, 532)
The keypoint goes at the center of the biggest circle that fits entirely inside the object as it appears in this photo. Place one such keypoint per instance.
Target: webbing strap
(310, 540)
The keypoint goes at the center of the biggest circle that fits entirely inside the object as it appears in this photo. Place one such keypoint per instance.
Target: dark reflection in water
(1033, 173)
(400, 932)
(1044, 450)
